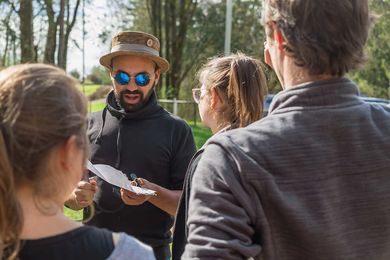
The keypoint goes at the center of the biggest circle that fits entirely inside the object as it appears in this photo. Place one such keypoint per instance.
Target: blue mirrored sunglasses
(141, 79)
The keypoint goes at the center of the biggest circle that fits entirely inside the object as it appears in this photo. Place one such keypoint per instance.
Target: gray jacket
(309, 181)
(130, 248)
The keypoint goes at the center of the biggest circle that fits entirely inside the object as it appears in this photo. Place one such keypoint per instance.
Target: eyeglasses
(197, 94)
(141, 79)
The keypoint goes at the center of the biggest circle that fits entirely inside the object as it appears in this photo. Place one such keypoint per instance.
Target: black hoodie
(153, 144)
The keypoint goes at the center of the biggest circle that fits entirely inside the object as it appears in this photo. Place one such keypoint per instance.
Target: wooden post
(175, 106)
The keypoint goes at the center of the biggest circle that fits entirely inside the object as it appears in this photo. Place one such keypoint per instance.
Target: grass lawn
(88, 89)
(73, 214)
(96, 105)
(201, 133)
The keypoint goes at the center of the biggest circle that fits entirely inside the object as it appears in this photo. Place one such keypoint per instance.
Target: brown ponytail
(246, 90)
(11, 218)
(240, 80)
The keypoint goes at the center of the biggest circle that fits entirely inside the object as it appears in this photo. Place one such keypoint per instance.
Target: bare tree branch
(12, 5)
(74, 16)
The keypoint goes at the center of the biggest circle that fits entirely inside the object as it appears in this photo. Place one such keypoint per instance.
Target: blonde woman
(43, 149)
(231, 95)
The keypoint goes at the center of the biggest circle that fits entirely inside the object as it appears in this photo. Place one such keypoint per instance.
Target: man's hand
(166, 200)
(82, 196)
(132, 199)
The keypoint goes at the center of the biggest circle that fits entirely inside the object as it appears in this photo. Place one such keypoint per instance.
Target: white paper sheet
(117, 178)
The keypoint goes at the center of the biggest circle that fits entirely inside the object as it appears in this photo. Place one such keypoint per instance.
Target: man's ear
(111, 70)
(279, 39)
(157, 74)
(215, 100)
(267, 57)
(67, 153)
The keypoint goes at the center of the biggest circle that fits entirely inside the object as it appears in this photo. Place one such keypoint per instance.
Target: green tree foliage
(170, 21)
(374, 78)
(203, 39)
(208, 32)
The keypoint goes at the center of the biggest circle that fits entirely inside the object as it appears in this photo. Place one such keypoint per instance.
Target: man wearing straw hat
(136, 135)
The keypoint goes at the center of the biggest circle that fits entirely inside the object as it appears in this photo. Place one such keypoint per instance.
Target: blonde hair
(40, 107)
(240, 81)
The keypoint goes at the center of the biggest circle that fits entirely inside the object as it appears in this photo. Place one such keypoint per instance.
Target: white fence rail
(186, 109)
(175, 103)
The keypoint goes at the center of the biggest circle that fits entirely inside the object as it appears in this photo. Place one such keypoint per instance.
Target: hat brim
(162, 63)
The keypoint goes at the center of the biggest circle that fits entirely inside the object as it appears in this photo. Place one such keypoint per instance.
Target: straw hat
(136, 44)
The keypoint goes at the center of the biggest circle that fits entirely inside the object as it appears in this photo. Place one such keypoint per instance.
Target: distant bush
(75, 74)
(99, 75)
(100, 93)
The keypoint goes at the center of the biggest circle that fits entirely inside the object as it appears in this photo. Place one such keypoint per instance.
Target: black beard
(132, 107)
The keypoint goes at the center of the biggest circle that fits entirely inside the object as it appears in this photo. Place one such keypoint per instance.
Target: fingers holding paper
(163, 198)
(133, 199)
(141, 182)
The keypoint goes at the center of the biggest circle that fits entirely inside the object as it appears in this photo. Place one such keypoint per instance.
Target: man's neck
(294, 75)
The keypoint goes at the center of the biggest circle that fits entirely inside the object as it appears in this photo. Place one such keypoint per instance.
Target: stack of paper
(117, 178)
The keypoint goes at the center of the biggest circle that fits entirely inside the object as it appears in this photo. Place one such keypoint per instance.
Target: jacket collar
(319, 94)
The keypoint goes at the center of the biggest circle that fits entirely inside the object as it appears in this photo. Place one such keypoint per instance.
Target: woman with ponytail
(231, 95)
(43, 151)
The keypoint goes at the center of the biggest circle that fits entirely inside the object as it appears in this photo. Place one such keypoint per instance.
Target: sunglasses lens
(122, 78)
(142, 79)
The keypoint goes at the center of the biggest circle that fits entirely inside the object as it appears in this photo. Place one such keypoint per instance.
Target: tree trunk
(61, 36)
(154, 8)
(4, 58)
(158, 34)
(166, 40)
(9, 35)
(181, 16)
(26, 31)
(155, 16)
(51, 39)
(169, 21)
(14, 48)
(69, 26)
(66, 26)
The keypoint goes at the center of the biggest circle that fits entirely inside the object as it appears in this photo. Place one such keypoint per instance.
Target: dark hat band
(135, 48)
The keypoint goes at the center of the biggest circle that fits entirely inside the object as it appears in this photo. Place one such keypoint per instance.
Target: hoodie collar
(150, 109)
